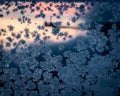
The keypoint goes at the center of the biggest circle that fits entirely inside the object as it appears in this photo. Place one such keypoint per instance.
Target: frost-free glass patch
(59, 48)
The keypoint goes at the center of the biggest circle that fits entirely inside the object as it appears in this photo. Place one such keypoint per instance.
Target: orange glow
(12, 19)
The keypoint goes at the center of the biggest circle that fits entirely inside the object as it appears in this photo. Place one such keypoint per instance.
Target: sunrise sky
(12, 16)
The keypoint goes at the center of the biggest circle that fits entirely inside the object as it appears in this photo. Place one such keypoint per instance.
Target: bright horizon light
(32, 26)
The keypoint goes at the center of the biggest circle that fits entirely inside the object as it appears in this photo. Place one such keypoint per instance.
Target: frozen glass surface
(62, 48)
